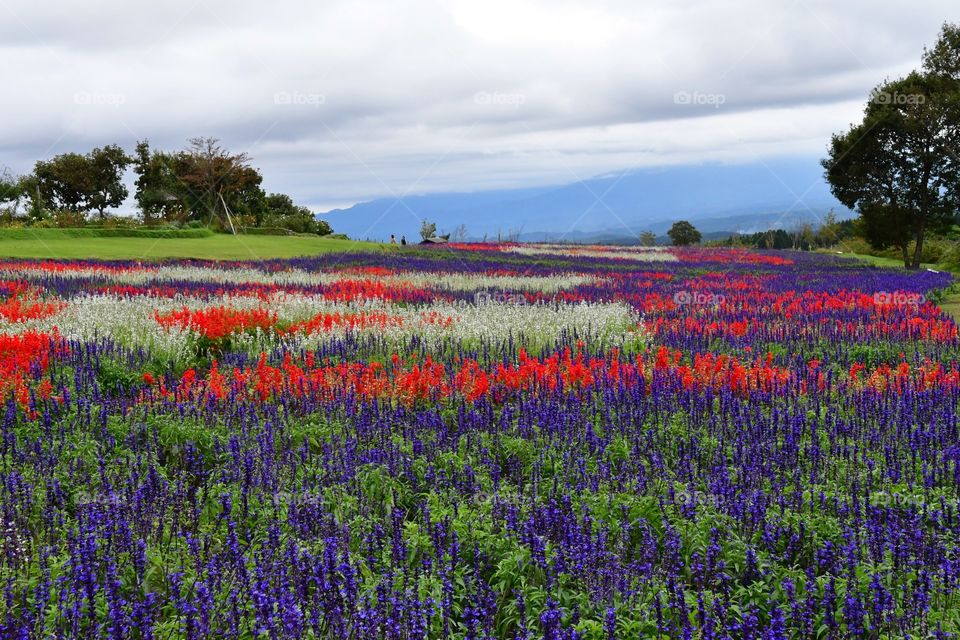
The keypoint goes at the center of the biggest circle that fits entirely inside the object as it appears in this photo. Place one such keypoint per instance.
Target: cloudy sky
(339, 102)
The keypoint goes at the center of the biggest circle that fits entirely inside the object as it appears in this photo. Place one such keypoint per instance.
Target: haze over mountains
(717, 198)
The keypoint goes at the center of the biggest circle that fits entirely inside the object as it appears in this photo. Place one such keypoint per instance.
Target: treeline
(203, 185)
(806, 237)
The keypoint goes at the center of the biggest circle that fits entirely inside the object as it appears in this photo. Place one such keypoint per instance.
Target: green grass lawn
(54, 243)
(880, 261)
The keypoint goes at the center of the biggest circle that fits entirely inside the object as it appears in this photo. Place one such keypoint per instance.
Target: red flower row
(217, 322)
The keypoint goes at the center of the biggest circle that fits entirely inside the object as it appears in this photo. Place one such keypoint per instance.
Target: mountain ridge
(714, 197)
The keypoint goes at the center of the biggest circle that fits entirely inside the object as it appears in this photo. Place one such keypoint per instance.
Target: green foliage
(279, 211)
(157, 188)
(114, 376)
(683, 234)
(899, 166)
(11, 188)
(204, 182)
(428, 230)
(82, 183)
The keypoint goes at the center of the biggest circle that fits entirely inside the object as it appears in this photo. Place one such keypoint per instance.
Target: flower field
(479, 441)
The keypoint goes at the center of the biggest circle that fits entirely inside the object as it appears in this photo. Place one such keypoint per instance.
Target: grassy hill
(95, 244)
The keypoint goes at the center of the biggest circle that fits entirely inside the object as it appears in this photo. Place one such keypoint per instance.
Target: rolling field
(55, 243)
(483, 441)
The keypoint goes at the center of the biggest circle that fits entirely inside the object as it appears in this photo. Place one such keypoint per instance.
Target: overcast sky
(344, 101)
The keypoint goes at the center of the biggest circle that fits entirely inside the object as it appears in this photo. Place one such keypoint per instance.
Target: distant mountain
(613, 208)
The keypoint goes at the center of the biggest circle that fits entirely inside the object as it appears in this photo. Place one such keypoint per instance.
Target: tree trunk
(924, 211)
(918, 249)
(906, 256)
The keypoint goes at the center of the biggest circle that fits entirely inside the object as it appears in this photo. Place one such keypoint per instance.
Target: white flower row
(295, 277)
(638, 254)
(536, 325)
(131, 320)
(127, 320)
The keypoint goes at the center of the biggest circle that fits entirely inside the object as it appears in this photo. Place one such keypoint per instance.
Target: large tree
(159, 193)
(682, 233)
(106, 166)
(899, 168)
(61, 182)
(80, 183)
(217, 179)
(203, 182)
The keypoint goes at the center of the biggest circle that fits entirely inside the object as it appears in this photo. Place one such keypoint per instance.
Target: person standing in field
(403, 240)
(393, 240)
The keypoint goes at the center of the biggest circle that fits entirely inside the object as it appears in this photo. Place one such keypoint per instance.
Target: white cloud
(340, 101)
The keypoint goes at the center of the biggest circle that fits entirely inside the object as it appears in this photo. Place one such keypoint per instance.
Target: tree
(279, 210)
(829, 232)
(105, 187)
(648, 239)
(682, 233)
(899, 168)
(36, 209)
(61, 182)
(11, 192)
(944, 58)
(82, 183)
(215, 179)
(159, 193)
(802, 235)
(428, 230)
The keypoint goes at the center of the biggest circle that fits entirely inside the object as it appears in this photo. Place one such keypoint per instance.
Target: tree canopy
(899, 167)
(204, 183)
(682, 234)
